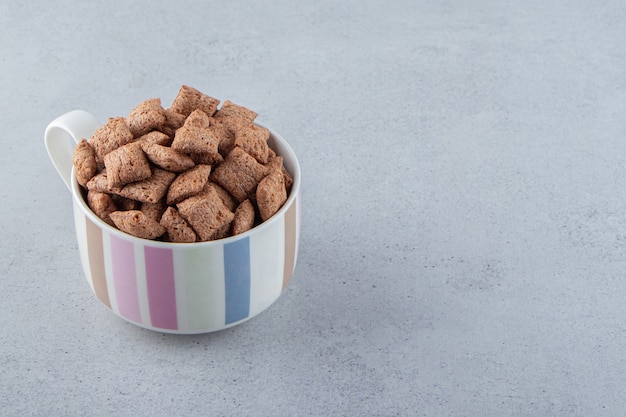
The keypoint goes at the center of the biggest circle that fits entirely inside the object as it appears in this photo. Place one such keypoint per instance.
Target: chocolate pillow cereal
(192, 172)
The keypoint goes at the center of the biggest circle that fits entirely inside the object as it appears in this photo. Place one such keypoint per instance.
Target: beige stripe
(290, 243)
(95, 250)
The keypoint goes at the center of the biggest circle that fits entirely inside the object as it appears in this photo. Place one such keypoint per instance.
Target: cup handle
(76, 125)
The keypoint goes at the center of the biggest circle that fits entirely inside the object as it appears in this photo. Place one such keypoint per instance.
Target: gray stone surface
(464, 225)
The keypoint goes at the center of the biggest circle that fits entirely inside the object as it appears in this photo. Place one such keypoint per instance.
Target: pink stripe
(161, 287)
(123, 258)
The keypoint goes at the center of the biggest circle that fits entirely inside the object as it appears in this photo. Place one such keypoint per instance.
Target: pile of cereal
(189, 173)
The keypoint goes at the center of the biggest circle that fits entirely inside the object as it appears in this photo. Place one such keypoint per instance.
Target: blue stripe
(237, 276)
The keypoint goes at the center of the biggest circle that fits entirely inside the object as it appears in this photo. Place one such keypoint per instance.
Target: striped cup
(182, 288)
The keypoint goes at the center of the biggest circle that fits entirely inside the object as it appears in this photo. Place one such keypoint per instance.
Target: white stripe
(142, 284)
(108, 270)
(267, 260)
(181, 292)
(83, 249)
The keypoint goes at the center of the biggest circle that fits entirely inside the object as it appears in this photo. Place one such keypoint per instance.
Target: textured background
(464, 225)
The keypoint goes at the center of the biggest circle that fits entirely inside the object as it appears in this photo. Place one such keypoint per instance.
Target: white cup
(182, 288)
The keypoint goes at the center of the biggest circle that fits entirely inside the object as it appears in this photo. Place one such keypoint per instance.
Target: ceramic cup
(183, 288)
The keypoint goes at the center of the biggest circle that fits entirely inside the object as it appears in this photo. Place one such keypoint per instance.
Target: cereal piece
(177, 228)
(244, 218)
(102, 205)
(168, 158)
(84, 162)
(126, 164)
(110, 136)
(153, 210)
(207, 214)
(135, 223)
(227, 199)
(232, 113)
(156, 137)
(173, 121)
(276, 162)
(190, 99)
(100, 182)
(206, 158)
(148, 115)
(253, 139)
(288, 178)
(226, 135)
(197, 120)
(150, 190)
(188, 183)
(239, 174)
(195, 136)
(124, 203)
(271, 194)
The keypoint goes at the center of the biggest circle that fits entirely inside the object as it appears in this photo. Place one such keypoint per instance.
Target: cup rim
(77, 195)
